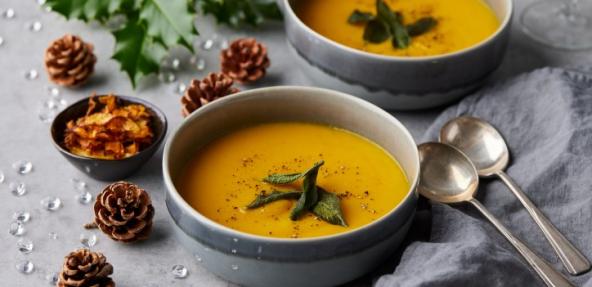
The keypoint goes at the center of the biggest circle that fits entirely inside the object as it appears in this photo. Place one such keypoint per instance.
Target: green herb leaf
(328, 208)
(136, 52)
(359, 17)
(278, 178)
(237, 12)
(401, 38)
(376, 31)
(169, 22)
(309, 196)
(421, 26)
(263, 199)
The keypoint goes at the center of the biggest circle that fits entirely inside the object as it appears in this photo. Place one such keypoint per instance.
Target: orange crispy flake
(108, 130)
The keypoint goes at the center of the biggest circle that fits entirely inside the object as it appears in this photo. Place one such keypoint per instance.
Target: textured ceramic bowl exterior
(264, 261)
(398, 83)
(101, 169)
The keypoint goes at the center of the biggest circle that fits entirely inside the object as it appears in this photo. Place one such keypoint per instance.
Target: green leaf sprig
(388, 24)
(324, 204)
(153, 27)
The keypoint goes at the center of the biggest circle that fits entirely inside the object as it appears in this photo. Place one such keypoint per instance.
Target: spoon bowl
(447, 175)
(480, 141)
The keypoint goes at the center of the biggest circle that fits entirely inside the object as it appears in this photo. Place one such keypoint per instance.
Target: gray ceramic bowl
(398, 83)
(263, 261)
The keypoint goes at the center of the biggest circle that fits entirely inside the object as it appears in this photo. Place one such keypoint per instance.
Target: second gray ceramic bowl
(397, 83)
(253, 260)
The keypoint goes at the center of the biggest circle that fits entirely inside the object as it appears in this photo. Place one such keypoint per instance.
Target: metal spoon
(488, 151)
(448, 176)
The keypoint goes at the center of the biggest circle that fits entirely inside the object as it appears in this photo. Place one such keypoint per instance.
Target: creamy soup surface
(461, 24)
(226, 175)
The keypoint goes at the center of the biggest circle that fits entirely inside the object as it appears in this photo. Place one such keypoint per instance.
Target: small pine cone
(245, 60)
(199, 93)
(69, 61)
(84, 268)
(124, 212)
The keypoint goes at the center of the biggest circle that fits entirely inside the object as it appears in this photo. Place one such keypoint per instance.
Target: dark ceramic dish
(101, 169)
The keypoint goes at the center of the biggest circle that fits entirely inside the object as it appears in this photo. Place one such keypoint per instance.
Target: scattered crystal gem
(88, 239)
(52, 278)
(51, 203)
(16, 228)
(31, 74)
(25, 267)
(53, 91)
(8, 13)
(41, 2)
(35, 26)
(84, 197)
(234, 267)
(47, 115)
(198, 258)
(224, 44)
(25, 245)
(52, 235)
(167, 77)
(179, 271)
(175, 63)
(17, 188)
(22, 166)
(180, 88)
(21, 216)
(207, 44)
(78, 184)
(1, 41)
(2, 177)
(198, 63)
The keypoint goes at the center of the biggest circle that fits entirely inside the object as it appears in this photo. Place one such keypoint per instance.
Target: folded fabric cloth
(546, 119)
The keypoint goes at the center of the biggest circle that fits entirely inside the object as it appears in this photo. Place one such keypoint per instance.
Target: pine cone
(124, 211)
(84, 268)
(69, 61)
(245, 60)
(199, 93)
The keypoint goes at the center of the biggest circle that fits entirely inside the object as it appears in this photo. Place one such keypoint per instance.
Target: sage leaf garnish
(421, 26)
(376, 31)
(263, 199)
(325, 205)
(328, 208)
(388, 24)
(309, 196)
(277, 178)
(359, 17)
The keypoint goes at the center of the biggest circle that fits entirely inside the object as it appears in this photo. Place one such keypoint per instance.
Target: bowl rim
(187, 209)
(288, 10)
(160, 115)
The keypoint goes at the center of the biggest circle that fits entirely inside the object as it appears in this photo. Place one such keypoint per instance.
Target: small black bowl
(102, 169)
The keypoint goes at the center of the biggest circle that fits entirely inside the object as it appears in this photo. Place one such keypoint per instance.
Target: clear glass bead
(175, 64)
(25, 245)
(22, 166)
(167, 77)
(179, 271)
(47, 115)
(180, 88)
(1, 41)
(2, 177)
(207, 44)
(41, 2)
(84, 197)
(51, 203)
(25, 267)
(35, 26)
(224, 44)
(31, 74)
(88, 240)
(8, 13)
(52, 278)
(21, 216)
(53, 91)
(234, 267)
(17, 188)
(79, 185)
(16, 228)
(198, 63)
(52, 235)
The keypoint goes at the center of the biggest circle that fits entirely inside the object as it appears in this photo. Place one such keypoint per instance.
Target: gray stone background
(24, 136)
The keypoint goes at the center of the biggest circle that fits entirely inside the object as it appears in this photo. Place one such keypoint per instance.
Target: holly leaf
(237, 12)
(170, 22)
(86, 10)
(137, 53)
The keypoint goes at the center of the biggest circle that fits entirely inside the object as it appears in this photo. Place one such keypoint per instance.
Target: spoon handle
(546, 272)
(572, 259)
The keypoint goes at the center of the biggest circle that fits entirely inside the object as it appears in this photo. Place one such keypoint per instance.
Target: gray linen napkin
(546, 119)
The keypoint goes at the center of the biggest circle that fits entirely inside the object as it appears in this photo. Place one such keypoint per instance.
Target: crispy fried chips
(109, 130)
